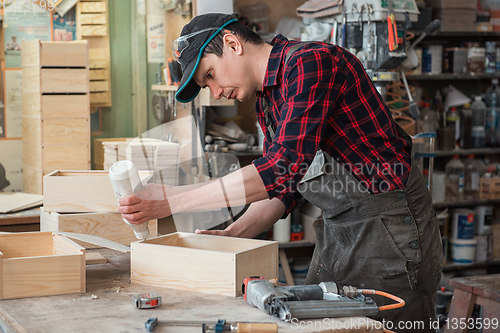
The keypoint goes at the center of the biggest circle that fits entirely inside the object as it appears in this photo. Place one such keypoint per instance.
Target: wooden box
(56, 109)
(99, 151)
(105, 225)
(202, 263)
(40, 264)
(80, 191)
(489, 188)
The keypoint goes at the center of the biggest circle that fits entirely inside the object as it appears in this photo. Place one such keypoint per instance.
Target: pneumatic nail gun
(325, 300)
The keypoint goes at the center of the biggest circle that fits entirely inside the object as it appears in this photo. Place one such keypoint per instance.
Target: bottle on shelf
(455, 170)
(453, 121)
(428, 119)
(492, 99)
(466, 129)
(471, 178)
(478, 136)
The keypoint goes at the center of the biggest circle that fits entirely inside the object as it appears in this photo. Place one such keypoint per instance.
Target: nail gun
(325, 300)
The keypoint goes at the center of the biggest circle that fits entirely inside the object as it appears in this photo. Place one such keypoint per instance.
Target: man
(331, 139)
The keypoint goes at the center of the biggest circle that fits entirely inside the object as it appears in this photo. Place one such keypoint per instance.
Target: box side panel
(64, 80)
(64, 54)
(73, 157)
(66, 131)
(181, 268)
(170, 239)
(69, 106)
(1, 276)
(227, 244)
(106, 225)
(27, 277)
(26, 244)
(261, 261)
(64, 246)
(49, 220)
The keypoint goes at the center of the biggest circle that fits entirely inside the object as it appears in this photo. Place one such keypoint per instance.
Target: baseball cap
(189, 47)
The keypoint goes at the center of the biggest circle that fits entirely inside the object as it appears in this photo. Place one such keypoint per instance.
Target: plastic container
(478, 137)
(466, 127)
(492, 101)
(428, 119)
(463, 224)
(490, 57)
(281, 229)
(126, 181)
(483, 219)
(455, 170)
(453, 121)
(471, 179)
(463, 251)
(438, 186)
(478, 108)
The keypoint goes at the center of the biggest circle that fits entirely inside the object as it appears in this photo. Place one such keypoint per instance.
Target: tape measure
(146, 301)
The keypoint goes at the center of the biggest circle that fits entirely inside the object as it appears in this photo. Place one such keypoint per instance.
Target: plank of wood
(99, 86)
(72, 157)
(286, 268)
(64, 54)
(31, 53)
(13, 202)
(31, 79)
(32, 177)
(32, 131)
(65, 106)
(66, 131)
(100, 98)
(95, 258)
(7, 323)
(94, 30)
(107, 225)
(93, 19)
(26, 244)
(99, 74)
(93, 7)
(97, 240)
(54, 80)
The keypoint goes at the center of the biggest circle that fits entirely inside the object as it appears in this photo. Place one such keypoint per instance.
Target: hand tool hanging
(391, 27)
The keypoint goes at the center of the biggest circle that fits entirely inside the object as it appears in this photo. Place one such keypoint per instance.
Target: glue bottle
(126, 181)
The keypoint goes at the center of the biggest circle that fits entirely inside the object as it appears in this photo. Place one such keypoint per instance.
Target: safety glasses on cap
(181, 43)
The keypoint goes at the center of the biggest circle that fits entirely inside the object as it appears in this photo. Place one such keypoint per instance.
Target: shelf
(459, 34)
(468, 203)
(257, 152)
(479, 264)
(465, 152)
(300, 243)
(163, 87)
(466, 76)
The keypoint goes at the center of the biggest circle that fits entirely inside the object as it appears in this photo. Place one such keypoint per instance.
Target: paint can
(455, 60)
(432, 56)
(281, 229)
(463, 224)
(463, 251)
(483, 219)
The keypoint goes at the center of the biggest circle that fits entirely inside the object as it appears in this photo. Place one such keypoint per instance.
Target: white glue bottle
(125, 180)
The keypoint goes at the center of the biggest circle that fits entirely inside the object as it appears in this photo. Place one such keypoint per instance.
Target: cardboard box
(80, 191)
(40, 264)
(461, 20)
(464, 4)
(202, 263)
(106, 225)
(484, 27)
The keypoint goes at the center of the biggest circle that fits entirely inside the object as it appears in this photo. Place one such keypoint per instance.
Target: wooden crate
(99, 150)
(105, 225)
(40, 264)
(489, 188)
(80, 191)
(202, 263)
(56, 109)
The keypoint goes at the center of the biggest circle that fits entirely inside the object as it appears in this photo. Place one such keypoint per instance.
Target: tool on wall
(147, 301)
(219, 327)
(326, 300)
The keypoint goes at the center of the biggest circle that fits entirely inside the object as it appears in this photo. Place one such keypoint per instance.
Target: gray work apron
(388, 241)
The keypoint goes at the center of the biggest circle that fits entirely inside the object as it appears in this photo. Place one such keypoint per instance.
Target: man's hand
(145, 205)
(224, 232)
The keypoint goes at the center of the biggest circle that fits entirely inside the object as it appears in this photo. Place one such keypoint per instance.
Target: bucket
(463, 224)
(463, 251)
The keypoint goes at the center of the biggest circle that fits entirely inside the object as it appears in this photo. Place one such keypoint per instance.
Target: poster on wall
(14, 103)
(64, 28)
(11, 161)
(23, 21)
(156, 38)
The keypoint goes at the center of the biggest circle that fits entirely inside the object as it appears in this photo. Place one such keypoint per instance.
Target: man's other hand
(149, 204)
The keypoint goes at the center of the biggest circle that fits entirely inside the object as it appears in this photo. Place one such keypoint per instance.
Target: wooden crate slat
(93, 19)
(100, 98)
(65, 131)
(93, 7)
(99, 74)
(99, 86)
(64, 80)
(70, 157)
(65, 106)
(94, 30)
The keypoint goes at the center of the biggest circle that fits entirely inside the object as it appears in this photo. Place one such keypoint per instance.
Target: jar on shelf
(455, 171)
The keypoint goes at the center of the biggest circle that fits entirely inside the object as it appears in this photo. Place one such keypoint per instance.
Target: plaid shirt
(323, 98)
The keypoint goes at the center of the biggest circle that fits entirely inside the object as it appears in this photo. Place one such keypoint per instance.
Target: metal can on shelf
(455, 60)
(475, 60)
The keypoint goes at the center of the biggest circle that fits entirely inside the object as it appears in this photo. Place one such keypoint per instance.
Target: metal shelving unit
(466, 76)
(445, 204)
(465, 152)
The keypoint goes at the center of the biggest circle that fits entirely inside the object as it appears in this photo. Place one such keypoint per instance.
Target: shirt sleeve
(313, 82)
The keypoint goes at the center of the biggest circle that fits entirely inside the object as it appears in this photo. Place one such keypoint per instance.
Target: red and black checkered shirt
(323, 98)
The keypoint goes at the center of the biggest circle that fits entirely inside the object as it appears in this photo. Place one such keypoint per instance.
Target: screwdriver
(219, 327)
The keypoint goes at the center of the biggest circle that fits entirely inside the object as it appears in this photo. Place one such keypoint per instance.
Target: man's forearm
(259, 217)
(236, 189)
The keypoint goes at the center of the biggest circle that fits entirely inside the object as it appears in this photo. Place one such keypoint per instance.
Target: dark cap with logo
(189, 47)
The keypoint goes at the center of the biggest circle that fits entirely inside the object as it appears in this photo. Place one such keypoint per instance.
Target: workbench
(107, 306)
(25, 220)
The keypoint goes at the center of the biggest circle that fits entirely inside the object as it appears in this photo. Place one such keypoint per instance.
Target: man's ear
(233, 43)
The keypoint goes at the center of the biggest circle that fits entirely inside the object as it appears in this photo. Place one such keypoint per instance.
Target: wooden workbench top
(113, 310)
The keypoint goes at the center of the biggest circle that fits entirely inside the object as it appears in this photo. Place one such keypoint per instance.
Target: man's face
(225, 77)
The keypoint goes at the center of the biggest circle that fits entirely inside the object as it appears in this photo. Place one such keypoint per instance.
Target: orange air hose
(400, 301)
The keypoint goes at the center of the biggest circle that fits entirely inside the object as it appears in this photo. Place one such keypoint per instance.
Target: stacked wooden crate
(56, 109)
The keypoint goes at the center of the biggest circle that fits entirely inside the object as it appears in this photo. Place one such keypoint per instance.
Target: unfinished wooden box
(80, 191)
(105, 225)
(56, 109)
(202, 263)
(40, 264)
(99, 151)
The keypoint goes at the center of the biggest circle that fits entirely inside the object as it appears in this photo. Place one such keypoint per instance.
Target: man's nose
(216, 91)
